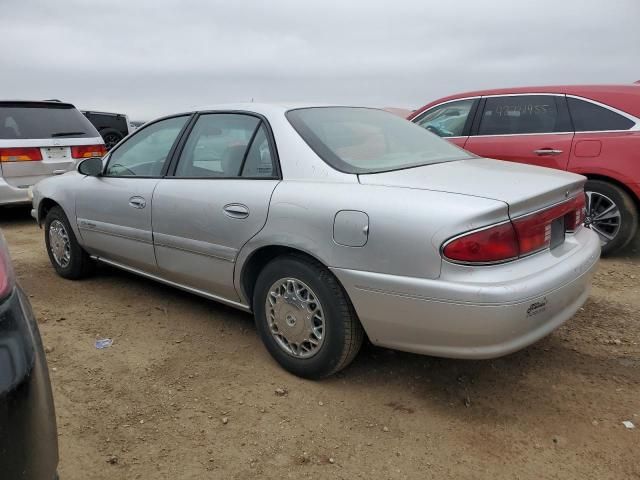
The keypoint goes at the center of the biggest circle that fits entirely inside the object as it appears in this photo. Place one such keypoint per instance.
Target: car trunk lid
(524, 188)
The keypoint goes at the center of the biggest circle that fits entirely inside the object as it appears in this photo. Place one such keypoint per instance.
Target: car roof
(266, 108)
(566, 89)
(103, 113)
(614, 95)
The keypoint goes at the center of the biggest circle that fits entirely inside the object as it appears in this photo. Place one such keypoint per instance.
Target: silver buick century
(329, 224)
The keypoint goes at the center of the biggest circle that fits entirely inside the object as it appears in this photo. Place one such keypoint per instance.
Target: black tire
(343, 333)
(79, 264)
(111, 137)
(628, 214)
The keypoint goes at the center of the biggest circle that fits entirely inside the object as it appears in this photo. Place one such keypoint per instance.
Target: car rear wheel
(611, 213)
(65, 253)
(304, 317)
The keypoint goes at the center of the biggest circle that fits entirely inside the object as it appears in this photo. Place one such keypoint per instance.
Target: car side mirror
(91, 166)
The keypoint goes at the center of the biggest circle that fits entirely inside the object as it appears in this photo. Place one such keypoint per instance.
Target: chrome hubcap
(59, 243)
(603, 216)
(295, 318)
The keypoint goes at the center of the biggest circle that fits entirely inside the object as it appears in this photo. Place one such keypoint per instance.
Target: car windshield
(23, 120)
(365, 140)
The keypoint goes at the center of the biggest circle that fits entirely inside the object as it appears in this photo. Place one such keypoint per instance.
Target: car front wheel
(304, 317)
(611, 213)
(65, 253)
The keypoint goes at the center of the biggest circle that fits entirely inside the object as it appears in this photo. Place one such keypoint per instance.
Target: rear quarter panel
(615, 155)
(407, 226)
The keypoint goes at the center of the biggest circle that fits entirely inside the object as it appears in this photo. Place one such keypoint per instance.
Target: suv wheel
(111, 137)
(304, 317)
(611, 213)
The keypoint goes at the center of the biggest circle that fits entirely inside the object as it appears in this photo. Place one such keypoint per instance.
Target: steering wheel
(437, 131)
(119, 165)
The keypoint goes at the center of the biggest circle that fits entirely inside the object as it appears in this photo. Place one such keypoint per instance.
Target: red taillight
(494, 244)
(6, 272)
(88, 151)
(518, 238)
(29, 154)
(575, 218)
(534, 231)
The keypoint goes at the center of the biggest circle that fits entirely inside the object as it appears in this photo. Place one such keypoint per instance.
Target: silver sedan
(329, 224)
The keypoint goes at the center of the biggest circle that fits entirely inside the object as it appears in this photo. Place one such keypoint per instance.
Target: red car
(591, 130)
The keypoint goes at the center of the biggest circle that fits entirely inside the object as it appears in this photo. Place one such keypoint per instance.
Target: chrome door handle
(137, 202)
(236, 210)
(59, 172)
(547, 152)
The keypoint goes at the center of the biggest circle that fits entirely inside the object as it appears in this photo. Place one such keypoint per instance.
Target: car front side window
(522, 114)
(448, 119)
(145, 153)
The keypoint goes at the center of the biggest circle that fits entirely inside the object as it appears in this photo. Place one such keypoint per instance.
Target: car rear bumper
(483, 312)
(10, 195)
(28, 438)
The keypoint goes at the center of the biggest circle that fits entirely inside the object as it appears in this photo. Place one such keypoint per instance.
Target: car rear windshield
(22, 120)
(366, 140)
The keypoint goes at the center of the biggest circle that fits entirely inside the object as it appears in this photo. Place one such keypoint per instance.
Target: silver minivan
(38, 140)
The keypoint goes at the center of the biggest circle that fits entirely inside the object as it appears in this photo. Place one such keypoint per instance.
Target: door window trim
(622, 113)
(170, 154)
(634, 128)
(467, 129)
(562, 108)
(480, 107)
(170, 173)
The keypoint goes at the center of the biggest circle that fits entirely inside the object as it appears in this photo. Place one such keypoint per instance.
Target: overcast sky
(147, 58)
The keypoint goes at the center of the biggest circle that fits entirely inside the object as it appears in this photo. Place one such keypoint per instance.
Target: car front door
(214, 200)
(114, 210)
(533, 129)
(450, 120)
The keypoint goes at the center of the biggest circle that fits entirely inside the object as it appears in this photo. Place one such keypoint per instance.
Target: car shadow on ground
(489, 391)
(16, 216)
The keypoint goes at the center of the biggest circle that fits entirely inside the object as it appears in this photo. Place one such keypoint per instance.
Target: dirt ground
(188, 392)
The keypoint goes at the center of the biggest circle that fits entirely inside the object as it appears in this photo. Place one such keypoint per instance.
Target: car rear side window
(144, 153)
(448, 119)
(588, 117)
(259, 162)
(518, 114)
(23, 120)
(226, 145)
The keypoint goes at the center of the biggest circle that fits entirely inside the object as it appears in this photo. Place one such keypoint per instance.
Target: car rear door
(114, 210)
(525, 128)
(451, 120)
(215, 199)
(40, 139)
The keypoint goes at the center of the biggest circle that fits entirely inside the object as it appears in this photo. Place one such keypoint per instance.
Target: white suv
(40, 139)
